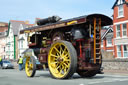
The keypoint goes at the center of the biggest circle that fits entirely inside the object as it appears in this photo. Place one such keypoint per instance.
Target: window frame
(102, 45)
(120, 2)
(124, 30)
(118, 52)
(125, 51)
(21, 44)
(120, 9)
(108, 43)
(118, 31)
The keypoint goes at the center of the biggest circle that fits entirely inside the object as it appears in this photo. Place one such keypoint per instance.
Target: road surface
(16, 77)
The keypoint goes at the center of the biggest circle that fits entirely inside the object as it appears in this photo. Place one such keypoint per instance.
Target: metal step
(97, 48)
(97, 34)
(97, 38)
(96, 59)
(97, 43)
(98, 53)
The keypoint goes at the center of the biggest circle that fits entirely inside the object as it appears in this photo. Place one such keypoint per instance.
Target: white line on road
(108, 81)
(81, 84)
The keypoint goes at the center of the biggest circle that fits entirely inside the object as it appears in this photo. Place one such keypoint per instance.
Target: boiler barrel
(52, 19)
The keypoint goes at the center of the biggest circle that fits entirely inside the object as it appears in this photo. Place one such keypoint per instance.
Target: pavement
(121, 72)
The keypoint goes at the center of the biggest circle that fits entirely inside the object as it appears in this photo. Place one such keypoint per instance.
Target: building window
(120, 2)
(124, 30)
(4, 49)
(120, 11)
(109, 42)
(102, 44)
(21, 43)
(8, 47)
(125, 51)
(119, 51)
(118, 31)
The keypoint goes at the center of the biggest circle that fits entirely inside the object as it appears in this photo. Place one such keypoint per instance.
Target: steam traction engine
(67, 46)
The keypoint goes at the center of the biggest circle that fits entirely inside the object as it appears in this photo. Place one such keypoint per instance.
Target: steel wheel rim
(29, 66)
(59, 60)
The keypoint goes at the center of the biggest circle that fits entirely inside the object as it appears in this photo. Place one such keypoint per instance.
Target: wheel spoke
(61, 50)
(57, 54)
(29, 62)
(53, 64)
(56, 69)
(64, 51)
(66, 55)
(66, 65)
(30, 71)
(56, 50)
(28, 66)
(27, 69)
(54, 55)
(67, 60)
(61, 71)
(31, 65)
(64, 68)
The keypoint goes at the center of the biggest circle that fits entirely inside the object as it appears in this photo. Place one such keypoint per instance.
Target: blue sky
(31, 9)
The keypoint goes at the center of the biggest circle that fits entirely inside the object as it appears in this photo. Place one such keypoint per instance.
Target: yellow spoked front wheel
(62, 60)
(30, 66)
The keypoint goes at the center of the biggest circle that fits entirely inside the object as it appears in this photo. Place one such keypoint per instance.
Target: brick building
(3, 35)
(120, 28)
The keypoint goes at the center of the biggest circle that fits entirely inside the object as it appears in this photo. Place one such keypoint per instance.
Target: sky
(30, 9)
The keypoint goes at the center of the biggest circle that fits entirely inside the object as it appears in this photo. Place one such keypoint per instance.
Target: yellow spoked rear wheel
(62, 60)
(30, 66)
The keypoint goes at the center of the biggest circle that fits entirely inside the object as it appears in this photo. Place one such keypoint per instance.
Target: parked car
(7, 64)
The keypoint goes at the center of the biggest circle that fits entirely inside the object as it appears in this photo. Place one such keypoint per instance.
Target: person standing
(20, 62)
(1, 62)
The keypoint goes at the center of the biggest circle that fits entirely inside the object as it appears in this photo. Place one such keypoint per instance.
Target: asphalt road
(15, 77)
